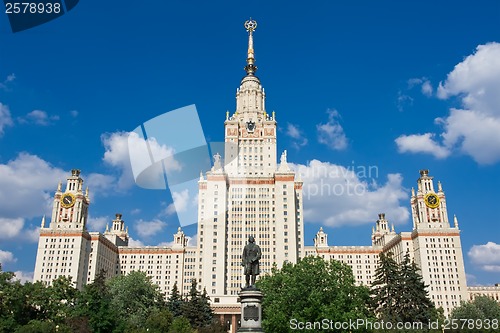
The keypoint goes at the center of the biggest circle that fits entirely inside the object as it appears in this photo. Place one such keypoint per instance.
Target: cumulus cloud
(121, 145)
(486, 256)
(6, 256)
(135, 242)
(473, 129)
(10, 228)
(421, 143)
(73, 113)
(24, 277)
(331, 133)
(5, 118)
(100, 183)
(31, 235)
(14, 228)
(116, 155)
(193, 240)
(294, 132)
(38, 117)
(180, 204)
(335, 195)
(27, 179)
(97, 223)
(424, 84)
(149, 228)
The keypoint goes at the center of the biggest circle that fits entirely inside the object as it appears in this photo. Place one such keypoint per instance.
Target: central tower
(247, 194)
(250, 133)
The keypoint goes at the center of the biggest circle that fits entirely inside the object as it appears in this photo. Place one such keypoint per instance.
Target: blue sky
(397, 86)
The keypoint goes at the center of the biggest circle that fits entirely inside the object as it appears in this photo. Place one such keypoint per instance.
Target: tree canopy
(123, 304)
(310, 291)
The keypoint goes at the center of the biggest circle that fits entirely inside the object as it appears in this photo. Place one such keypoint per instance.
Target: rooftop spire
(250, 26)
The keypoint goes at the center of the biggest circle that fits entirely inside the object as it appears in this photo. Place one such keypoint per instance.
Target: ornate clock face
(68, 200)
(431, 200)
(250, 126)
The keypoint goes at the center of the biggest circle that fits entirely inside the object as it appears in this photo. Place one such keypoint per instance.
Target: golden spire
(250, 26)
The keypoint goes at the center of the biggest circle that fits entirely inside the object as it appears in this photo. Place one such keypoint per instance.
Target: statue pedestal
(251, 310)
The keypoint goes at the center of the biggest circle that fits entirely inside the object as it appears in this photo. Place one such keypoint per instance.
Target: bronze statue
(250, 260)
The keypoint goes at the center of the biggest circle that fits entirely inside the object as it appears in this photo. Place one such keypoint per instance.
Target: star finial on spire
(250, 26)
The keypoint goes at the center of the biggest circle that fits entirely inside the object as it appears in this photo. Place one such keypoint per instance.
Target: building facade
(248, 193)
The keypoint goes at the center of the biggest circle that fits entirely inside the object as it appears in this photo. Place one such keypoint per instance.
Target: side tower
(64, 245)
(247, 194)
(437, 246)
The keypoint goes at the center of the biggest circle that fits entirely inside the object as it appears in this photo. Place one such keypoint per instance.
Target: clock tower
(70, 208)
(64, 246)
(428, 207)
(437, 246)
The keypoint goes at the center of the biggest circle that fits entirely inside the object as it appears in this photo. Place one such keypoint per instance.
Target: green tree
(11, 302)
(175, 302)
(37, 326)
(481, 310)
(134, 297)
(386, 286)
(181, 325)
(94, 304)
(159, 321)
(415, 304)
(197, 308)
(25, 305)
(61, 298)
(311, 290)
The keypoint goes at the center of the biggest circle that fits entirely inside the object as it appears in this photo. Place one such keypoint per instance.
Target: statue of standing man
(250, 260)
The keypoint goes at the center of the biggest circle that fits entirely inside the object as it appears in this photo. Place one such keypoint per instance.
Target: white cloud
(73, 113)
(135, 211)
(474, 129)
(116, 155)
(295, 133)
(166, 244)
(135, 242)
(31, 235)
(120, 145)
(149, 228)
(424, 83)
(331, 133)
(336, 195)
(38, 117)
(100, 183)
(180, 204)
(403, 100)
(193, 240)
(24, 277)
(9, 78)
(10, 228)
(13, 228)
(97, 223)
(486, 256)
(476, 134)
(421, 143)
(6, 256)
(27, 184)
(427, 88)
(5, 118)
(471, 280)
